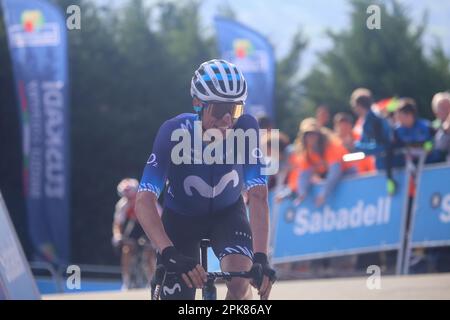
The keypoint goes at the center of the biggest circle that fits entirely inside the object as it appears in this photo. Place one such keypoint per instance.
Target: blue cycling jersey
(199, 189)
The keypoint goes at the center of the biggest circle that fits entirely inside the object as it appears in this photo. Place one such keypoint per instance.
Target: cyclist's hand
(116, 241)
(263, 285)
(191, 272)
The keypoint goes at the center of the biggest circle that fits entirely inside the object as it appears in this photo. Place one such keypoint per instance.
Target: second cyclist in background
(129, 237)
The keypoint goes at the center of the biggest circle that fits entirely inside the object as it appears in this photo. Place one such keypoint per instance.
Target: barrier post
(401, 250)
(412, 213)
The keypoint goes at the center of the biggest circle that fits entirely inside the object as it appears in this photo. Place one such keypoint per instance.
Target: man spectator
(323, 115)
(375, 134)
(411, 131)
(441, 108)
(343, 128)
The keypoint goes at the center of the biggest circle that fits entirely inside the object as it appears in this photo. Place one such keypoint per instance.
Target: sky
(279, 20)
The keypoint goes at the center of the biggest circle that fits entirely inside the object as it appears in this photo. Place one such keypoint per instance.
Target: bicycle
(139, 268)
(209, 290)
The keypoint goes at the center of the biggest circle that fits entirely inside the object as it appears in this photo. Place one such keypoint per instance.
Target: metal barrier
(57, 275)
(293, 239)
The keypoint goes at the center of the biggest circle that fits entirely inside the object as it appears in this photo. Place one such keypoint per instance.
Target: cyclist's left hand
(264, 286)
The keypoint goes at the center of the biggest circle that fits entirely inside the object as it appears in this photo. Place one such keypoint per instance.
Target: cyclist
(128, 234)
(203, 200)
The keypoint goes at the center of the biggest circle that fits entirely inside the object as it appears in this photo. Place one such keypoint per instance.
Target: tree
(288, 94)
(390, 61)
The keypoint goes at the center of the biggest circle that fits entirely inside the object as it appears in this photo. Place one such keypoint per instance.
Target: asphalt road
(435, 286)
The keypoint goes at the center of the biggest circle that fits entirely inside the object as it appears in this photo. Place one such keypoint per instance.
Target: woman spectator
(319, 157)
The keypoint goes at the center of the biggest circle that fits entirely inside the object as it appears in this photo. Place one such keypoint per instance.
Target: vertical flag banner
(254, 55)
(38, 46)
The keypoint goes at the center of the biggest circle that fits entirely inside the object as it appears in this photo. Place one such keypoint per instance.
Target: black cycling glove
(174, 261)
(260, 260)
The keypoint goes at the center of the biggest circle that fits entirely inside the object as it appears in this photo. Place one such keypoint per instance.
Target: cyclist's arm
(119, 220)
(256, 186)
(259, 217)
(152, 182)
(148, 215)
(116, 230)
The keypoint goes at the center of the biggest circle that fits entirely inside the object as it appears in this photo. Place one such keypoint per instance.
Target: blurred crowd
(371, 136)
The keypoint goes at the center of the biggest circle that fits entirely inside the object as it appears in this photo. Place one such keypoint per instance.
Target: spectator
(375, 134)
(322, 115)
(446, 138)
(319, 158)
(411, 131)
(441, 108)
(343, 128)
(266, 140)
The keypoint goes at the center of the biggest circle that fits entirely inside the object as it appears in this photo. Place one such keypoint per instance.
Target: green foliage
(288, 95)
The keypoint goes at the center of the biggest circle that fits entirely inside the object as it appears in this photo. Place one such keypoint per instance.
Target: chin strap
(198, 109)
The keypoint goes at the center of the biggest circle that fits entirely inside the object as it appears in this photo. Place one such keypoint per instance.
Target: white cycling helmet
(127, 183)
(219, 81)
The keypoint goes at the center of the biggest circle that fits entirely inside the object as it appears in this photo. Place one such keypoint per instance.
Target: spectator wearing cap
(319, 157)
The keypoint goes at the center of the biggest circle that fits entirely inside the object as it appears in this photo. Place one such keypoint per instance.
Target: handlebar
(160, 275)
(255, 274)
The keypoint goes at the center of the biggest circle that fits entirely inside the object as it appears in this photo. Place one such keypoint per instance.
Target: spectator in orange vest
(320, 157)
(343, 128)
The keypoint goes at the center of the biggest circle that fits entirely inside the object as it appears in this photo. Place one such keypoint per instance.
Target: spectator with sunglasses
(203, 198)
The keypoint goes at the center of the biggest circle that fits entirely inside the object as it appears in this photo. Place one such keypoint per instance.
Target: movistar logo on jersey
(236, 147)
(207, 191)
(34, 31)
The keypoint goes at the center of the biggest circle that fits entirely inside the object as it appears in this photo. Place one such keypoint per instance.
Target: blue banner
(358, 217)
(432, 210)
(253, 54)
(38, 45)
